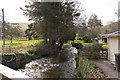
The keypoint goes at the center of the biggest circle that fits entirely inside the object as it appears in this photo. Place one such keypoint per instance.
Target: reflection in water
(60, 66)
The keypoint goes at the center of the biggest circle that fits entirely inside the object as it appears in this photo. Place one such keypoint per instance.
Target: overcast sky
(104, 9)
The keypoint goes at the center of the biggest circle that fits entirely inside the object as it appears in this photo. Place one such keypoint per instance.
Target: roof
(113, 34)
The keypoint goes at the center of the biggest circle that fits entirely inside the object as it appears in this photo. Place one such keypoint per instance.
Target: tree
(93, 22)
(82, 26)
(0, 30)
(13, 31)
(94, 26)
(31, 33)
(111, 27)
(54, 20)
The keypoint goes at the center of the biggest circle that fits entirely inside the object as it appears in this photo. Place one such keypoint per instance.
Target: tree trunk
(61, 44)
(3, 29)
(46, 41)
(11, 38)
(52, 42)
(30, 38)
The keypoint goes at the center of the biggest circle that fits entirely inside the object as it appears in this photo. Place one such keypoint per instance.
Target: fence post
(3, 28)
(0, 43)
(0, 47)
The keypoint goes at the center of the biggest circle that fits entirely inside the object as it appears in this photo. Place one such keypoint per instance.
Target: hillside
(24, 26)
(110, 28)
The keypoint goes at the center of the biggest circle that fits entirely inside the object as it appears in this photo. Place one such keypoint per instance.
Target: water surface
(60, 66)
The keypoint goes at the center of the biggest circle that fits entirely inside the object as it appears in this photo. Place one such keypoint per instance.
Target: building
(113, 41)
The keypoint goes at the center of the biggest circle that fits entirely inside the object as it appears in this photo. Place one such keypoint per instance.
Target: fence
(11, 74)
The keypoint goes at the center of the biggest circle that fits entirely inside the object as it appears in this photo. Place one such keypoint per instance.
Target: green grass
(24, 43)
(79, 41)
(105, 46)
(88, 44)
(20, 46)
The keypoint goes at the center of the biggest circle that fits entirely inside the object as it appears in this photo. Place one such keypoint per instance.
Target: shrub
(44, 50)
(93, 51)
(80, 38)
(77, 45)
(87, 39)
(78, 73)
(93, 55)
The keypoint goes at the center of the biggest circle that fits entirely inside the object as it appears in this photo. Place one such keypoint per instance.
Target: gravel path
(107, 68)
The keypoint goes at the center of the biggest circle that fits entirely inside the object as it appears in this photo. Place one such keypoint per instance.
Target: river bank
(86, 68)
(19, 59)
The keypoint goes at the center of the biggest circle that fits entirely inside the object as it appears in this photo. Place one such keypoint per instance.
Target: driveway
(107, 68)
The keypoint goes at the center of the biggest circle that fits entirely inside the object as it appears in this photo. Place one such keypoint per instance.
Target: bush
(77, 45)
(87, 39)
(44, 50)
(80, 38)
(78, 73)
(93, 55)
(93, 51)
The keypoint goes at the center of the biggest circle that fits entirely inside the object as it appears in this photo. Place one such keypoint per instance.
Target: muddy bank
(16, 61)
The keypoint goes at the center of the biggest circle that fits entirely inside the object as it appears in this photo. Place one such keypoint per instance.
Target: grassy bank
(87, 69)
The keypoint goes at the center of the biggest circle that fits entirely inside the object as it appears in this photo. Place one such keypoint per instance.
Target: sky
(104, 9)
(12, 10)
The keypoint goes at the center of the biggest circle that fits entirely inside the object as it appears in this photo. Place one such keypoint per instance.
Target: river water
(60, 66)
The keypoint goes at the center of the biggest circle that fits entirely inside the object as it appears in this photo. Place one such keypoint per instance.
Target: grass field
(19, 46)
(23, 43)
(79, 41)
(104, 45)
(23, 26)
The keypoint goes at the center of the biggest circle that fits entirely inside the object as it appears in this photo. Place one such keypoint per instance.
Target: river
(60, 66)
